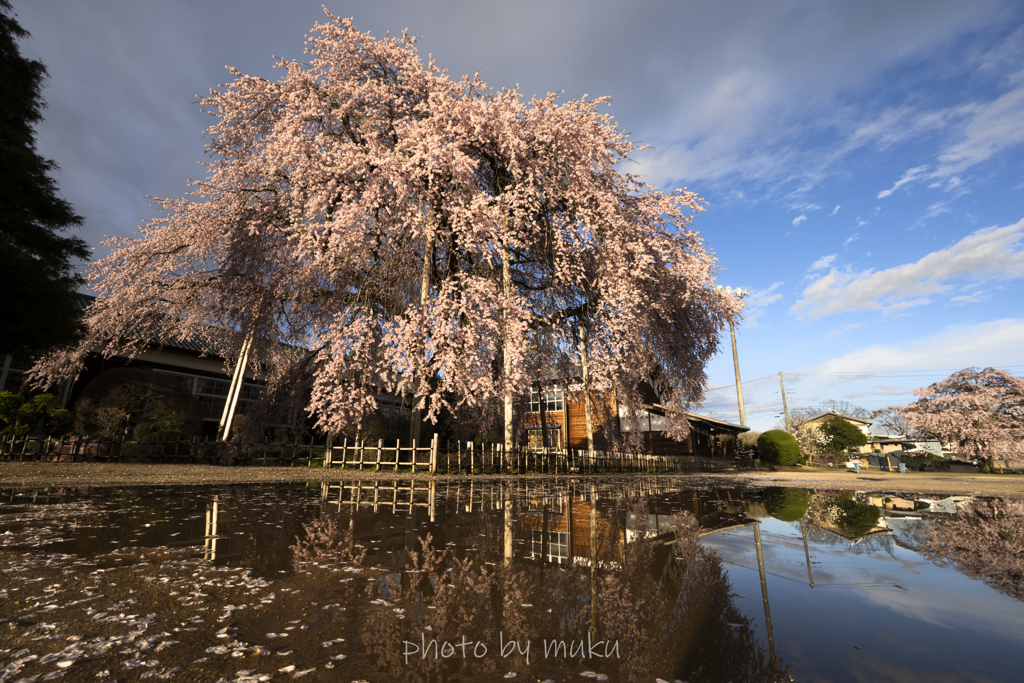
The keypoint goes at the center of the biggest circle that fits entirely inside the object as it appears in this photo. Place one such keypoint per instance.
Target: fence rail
(390, 456)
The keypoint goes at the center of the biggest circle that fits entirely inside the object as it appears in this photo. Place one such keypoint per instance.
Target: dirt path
(18, 474)
(1003, 485)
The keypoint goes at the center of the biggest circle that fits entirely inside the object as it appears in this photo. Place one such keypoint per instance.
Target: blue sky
(862, 161)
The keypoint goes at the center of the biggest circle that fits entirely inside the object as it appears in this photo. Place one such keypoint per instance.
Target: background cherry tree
(984, 540)
(981, 412)
(376, 225)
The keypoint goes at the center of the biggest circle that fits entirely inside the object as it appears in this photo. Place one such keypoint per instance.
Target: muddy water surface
(589, 579)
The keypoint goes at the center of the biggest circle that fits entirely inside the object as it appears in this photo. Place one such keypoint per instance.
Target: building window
(552, 398)
(535, 436)
(558, 546)
(212, 395)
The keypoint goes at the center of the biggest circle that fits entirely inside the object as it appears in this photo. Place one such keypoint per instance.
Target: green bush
(137, 403)
(855, 517)
(786, 504)
(38, 415)
(778, 447)
(916, 462)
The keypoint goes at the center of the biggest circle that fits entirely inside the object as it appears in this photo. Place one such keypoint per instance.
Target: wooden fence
(390, 456)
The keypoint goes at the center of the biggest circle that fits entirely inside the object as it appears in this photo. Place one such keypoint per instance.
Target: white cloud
(992, 344)
(971, 298)
(757, 301)
(774, 84)
(835, 211)
(908, 177)
(845, 328)
(799, 219)
(823, 262)
(994, 127)
(982, 255)
(851, 238)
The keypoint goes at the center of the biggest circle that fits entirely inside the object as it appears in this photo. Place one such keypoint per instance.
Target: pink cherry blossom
(419, 234)
(980, 412)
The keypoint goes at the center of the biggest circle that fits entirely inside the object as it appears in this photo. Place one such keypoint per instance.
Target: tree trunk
(506, 281)
(586, 389)
(428, 265)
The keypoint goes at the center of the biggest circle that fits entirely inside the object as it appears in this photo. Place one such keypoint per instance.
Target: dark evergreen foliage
(36, 274)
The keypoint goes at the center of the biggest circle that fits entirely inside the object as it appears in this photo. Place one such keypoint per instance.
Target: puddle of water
(587, 579)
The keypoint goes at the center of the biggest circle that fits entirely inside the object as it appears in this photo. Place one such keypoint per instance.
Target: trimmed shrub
(778, 447)
(786, 504)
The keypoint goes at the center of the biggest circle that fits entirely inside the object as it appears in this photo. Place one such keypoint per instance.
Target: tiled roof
(171, 341)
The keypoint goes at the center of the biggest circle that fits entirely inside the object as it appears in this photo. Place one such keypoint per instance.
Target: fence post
(472, 453)
(433, 460)
(380, 454)
(329, 453)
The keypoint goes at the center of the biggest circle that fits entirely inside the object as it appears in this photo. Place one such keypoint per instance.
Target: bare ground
(21, 474)
(1002, 485)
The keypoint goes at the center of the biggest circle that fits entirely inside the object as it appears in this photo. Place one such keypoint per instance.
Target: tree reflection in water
(665, 600)
(984, 540)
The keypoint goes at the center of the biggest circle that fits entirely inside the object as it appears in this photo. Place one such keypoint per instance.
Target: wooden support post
(433, 470)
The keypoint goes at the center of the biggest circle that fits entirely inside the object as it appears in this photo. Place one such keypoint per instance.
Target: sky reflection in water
(301, 581)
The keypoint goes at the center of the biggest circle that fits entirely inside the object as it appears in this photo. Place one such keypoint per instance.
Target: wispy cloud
(852, 238)
(994, 126)
(908, 177)
(799, 219)
(840, 330)
(984, 254)
(835, 211)
(971, 298)
(993, 344)
(758, 301)
(823, 262)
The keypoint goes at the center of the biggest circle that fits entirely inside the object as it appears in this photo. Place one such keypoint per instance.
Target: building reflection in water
(575, 575)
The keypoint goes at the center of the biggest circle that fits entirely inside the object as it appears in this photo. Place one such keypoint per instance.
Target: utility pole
(764, 587)
(784, 408)
(736, 367)
(739, 294)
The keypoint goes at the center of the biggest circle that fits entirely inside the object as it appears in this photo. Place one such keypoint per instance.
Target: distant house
(890, 444)
(815, 423)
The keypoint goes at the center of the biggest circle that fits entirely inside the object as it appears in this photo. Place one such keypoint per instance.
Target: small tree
(778, 447)
(841, 436)
(891, 421)
(978, 411)
(749, 439)
(140, 403)
(39, 415)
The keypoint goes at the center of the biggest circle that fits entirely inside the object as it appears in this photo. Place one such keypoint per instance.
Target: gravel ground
(965, 484)
(116, 474)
